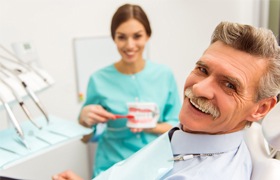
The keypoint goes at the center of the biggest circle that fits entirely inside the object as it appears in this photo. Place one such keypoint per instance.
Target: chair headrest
(271, 128)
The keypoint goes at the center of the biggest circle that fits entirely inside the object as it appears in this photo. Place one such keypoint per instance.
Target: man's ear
(262, 108)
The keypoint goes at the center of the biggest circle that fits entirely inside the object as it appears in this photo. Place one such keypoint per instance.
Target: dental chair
(263, 141)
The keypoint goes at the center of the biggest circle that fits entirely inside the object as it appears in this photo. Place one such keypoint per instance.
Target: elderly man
(234, 83)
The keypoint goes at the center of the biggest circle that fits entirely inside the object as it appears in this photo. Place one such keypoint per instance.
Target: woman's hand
(93, 114)
(66, 175)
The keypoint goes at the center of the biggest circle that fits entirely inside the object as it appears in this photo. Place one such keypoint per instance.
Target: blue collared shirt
(231, 159)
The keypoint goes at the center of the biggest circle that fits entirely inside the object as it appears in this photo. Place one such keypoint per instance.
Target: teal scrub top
(113, 90)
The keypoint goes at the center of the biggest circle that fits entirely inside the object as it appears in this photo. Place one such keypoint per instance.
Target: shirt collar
(188, 143)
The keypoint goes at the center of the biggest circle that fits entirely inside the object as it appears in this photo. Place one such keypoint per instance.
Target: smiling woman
(131, 79)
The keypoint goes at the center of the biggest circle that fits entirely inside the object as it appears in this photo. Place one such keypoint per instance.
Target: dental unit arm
(14, 67)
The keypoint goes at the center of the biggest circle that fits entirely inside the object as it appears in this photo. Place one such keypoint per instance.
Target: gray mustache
(203, 103)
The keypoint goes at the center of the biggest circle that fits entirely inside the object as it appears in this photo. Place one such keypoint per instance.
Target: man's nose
(204, 88)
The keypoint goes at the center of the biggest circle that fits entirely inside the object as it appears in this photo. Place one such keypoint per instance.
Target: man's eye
(203, 70)
(230, 85)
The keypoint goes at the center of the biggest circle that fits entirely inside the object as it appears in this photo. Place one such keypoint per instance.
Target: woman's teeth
(130, 53)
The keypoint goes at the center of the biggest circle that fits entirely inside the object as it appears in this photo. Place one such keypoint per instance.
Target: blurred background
(181, 32)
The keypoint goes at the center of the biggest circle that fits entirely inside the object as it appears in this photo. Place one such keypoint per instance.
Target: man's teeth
(198, 107)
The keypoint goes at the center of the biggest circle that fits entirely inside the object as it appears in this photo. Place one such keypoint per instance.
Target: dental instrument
(14, 120)
(8, 82)
(33, 96)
